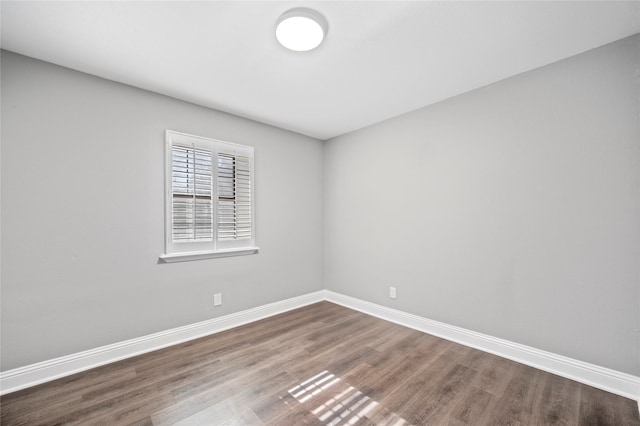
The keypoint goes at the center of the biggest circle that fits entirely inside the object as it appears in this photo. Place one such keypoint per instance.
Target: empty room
(320, 213)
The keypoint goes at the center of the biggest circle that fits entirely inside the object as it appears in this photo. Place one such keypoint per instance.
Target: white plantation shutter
(234, 197)
(210, 195)
(244, 219)
(192, 194)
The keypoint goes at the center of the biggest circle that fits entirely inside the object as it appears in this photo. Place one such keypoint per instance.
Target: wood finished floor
(319, 365)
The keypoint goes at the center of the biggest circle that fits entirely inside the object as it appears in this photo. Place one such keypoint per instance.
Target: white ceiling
(379, 60)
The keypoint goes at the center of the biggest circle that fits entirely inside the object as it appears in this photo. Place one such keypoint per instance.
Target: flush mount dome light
(301, 29)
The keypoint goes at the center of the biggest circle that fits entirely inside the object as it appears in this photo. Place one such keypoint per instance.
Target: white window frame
(177, 251)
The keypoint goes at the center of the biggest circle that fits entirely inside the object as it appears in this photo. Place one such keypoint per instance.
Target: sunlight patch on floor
(347, 407)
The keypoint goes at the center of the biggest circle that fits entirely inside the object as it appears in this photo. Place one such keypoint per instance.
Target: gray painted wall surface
(512, 210)
(82, 215)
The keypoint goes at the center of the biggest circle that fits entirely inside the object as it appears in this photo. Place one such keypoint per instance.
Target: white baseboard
(34, 374)
(603, 378)
(606, 379)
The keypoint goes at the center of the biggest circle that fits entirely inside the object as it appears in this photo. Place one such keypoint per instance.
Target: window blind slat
(234, 197)
(192, 204)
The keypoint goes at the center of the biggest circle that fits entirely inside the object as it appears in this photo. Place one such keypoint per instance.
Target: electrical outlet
(217, 299)
(392, 292)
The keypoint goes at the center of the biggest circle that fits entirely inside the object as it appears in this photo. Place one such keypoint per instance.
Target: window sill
(199, 255)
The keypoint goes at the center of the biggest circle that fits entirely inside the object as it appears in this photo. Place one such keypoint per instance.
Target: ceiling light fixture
(301, 29)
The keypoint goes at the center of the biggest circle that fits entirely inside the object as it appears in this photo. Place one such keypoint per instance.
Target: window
(209, 198)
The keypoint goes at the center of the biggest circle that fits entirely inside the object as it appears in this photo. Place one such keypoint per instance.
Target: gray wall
(512, 210)
(82, 215)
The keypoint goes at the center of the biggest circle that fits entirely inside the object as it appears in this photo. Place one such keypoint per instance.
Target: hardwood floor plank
(382, 416)
(246, 418)
(321, 358)
(472, 409)
(142, 422)
(435, 401)
(297, 416)
(418, 377)
(598, 408)
(517, 404)
(230, 408)
(278, 404)
(322, 364)
(496, 375)
(283, 401)
(340, 333)
(560, 402)
(67, 390)
(389, 337)
(207, 397)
